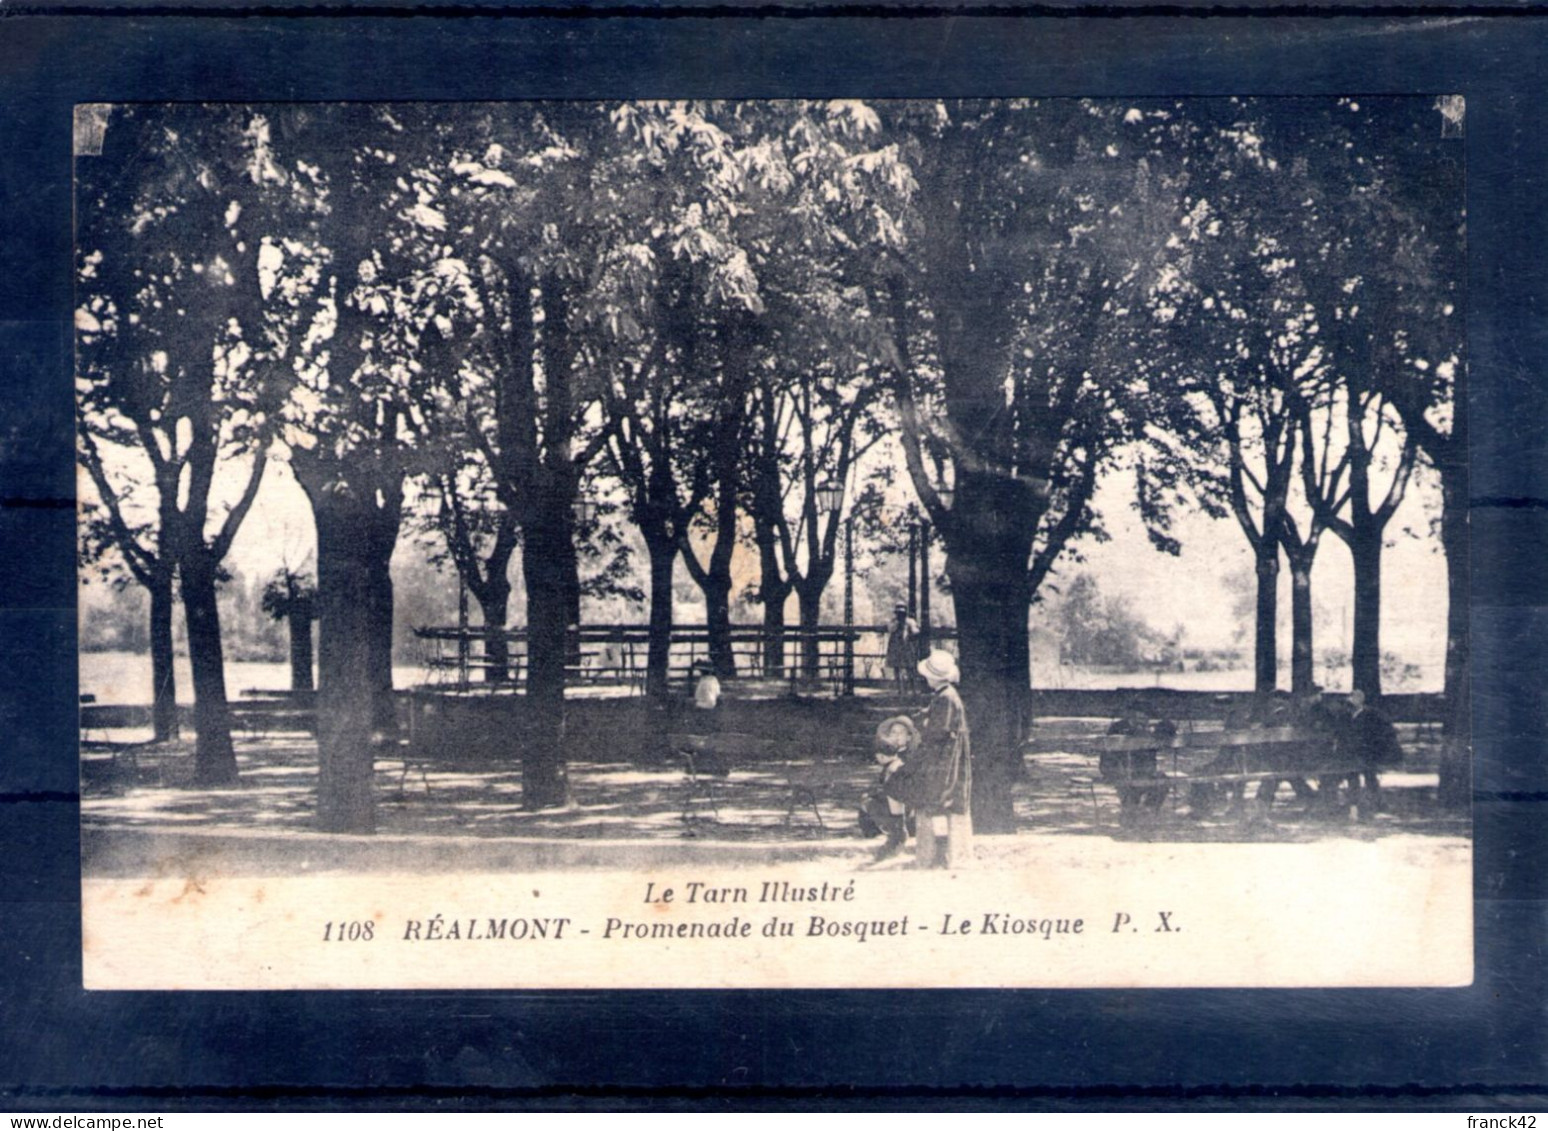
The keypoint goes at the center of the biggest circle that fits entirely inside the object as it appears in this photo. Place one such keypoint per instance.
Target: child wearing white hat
(945, 769)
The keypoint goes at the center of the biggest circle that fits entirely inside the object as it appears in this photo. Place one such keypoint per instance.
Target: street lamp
(584, 509)
(830, 495)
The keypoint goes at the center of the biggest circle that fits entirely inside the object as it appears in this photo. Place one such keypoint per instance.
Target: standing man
(902, 647)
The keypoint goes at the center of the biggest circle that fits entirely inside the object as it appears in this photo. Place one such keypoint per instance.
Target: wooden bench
(257, 717)
(708, 769)
(1240, 749)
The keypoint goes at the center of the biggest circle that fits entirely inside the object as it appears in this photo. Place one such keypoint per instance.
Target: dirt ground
(808, 800)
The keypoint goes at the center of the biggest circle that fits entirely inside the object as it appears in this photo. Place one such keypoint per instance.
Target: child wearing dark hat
(896, 739)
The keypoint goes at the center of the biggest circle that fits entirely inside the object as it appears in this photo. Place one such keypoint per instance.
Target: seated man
(1130, 766)
(1368, 739)
(1307, 712)
(1260, 712)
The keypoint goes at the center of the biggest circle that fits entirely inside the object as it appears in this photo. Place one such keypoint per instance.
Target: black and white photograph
(1001, 542)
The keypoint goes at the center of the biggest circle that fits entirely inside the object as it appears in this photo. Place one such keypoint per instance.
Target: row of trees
(708, 312)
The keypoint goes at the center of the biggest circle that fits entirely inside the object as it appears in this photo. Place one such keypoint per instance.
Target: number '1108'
(361, 930)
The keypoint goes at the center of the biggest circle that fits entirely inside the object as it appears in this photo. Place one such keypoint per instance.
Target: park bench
(709, 771)
(1241, 757)
(259, 716)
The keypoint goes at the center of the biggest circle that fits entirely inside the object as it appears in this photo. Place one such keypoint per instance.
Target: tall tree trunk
(1365, 550)
(1265, 651)
(378, 598)
(1456, 772)
(545, 782)
(163, 678)
(355, 538)
(773, 586)
(214, 758)
(1302, 654)
(494, 603)
(662, 549)
(346, 700)
(569, 564)
(996, 667)
(300, 625)
(716, 587)
(809, 602)
(774, 630)
(988, 541)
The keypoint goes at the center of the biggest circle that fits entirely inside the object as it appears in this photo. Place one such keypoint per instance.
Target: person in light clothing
(943, 783)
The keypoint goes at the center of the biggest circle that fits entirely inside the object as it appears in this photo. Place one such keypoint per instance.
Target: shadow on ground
(808, 798)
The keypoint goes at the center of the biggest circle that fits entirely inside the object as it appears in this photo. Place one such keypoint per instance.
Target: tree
(1099, 630)
(697, 194)
(530, 201)
(657, 447)
(816, 409)
(1249, 346)
(1411, 239)
(1037, 241)
(1321, 477)
(365, 303)
(108, 534)
(1375, 281)
(292, 597)
(172, 358)
(480, 535)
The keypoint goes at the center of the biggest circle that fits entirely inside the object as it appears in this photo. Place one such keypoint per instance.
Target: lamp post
(464, 644)
(583, 510)
(849, 606)
(435, 507)
(927, 533)
(829, 496)
(913, 568)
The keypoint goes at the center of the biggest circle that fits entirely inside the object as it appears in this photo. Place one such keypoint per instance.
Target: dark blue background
(61, 1047)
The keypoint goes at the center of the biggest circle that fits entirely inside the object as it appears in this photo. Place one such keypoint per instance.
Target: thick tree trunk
(346, 708)
(214, 758)
(1456, 769)
(355, 708)
(717, 619)
(545, 779)
(988, 541)
(658, 661)
(808, 599)
(996, 669)
(300, 625)
(378, 598)
(1302, 654)
(1365, 550)
(569, 563)
(809, 602)
(163, 678)
(773, 586)
(1265, 651)
(774, 632)
(494, 604)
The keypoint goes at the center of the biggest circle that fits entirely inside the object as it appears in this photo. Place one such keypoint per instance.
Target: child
(896, 738)
(945, 770)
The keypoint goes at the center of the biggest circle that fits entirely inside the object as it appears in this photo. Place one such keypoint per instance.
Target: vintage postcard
(917, 543)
